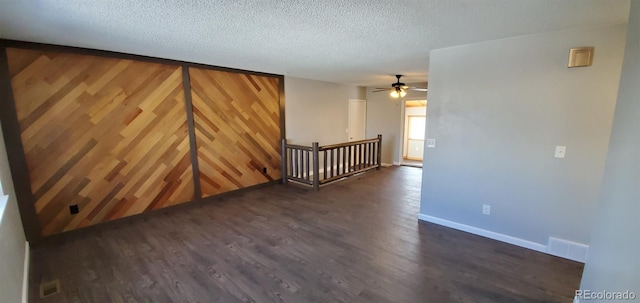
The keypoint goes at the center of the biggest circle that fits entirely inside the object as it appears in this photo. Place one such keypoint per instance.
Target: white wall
(497, 110)
(384, 116)
(12, 238)
(613, 262)
(318, 111)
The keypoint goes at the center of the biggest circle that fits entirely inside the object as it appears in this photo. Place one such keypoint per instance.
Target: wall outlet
(74, 209)
(431, 143)
(486, 209)
(560, 151)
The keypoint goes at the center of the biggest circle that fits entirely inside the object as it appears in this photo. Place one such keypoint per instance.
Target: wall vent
(567, 249)
(49, 288)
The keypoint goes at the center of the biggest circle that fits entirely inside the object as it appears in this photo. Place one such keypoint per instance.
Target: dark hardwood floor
(353, 241)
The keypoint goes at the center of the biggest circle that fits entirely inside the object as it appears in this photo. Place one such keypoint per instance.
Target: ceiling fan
(399, 89)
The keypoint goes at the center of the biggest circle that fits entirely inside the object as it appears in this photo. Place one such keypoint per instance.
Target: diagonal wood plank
(237, 129)
(109, 135)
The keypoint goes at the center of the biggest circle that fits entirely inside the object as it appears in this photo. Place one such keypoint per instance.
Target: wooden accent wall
(117, 135)
(121, 135)
(237, 127)
(109, 135)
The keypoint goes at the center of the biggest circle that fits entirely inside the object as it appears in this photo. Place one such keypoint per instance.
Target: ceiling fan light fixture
(398, 89)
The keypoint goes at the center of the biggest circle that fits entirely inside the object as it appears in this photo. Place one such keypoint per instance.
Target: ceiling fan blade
(381, 90)
(418, 89)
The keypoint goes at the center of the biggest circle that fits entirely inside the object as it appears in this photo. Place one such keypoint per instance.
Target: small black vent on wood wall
(73, 209)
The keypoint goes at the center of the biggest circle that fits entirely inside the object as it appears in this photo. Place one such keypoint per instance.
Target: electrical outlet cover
(486, 209)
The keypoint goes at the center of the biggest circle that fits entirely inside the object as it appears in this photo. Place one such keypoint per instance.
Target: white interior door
(357, 119)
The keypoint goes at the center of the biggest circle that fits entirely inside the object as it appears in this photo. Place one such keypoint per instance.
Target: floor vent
(49, 288)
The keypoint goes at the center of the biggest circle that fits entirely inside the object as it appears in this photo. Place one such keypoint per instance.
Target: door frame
(403, 131)
(349, 118)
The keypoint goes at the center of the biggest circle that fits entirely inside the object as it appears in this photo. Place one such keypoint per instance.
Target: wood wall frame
(12, 134)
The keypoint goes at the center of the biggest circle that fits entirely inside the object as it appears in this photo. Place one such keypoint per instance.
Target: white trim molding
(555, 247)
(485, 233)
(25, 275)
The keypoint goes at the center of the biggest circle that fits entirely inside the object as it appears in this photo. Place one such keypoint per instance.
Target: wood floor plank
(353, 241)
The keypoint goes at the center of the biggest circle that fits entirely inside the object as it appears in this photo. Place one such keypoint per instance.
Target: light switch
(560, 151)
(431, 143)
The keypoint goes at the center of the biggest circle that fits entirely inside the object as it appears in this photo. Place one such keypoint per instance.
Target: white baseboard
(386, 164)
(567, 249)
(397, 163)
(485, 233)
(25, 275)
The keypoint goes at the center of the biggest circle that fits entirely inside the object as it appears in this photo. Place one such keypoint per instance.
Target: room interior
(150, 150)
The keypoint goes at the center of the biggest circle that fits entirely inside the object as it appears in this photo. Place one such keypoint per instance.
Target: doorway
(357, 119)
(414, 125)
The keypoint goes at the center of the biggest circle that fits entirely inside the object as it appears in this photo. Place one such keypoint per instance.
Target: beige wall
(12, 239)
(384, 116)
(317, 111)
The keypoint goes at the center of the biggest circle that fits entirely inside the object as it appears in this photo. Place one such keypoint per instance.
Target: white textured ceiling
(361, 42)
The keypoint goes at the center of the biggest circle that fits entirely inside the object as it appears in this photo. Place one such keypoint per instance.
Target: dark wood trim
(283, 132)
(316, 166)
(379, 155)
(126, 56)
(193, 146)
(15, 154)
(300, 147)
(351, 143)
(93, 229)
(283, 161)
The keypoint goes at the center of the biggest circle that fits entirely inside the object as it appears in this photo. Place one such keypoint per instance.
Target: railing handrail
(350, 157)
(351, 143)
(302, 147)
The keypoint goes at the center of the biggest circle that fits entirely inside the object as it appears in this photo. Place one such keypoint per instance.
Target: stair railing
(301, 164)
